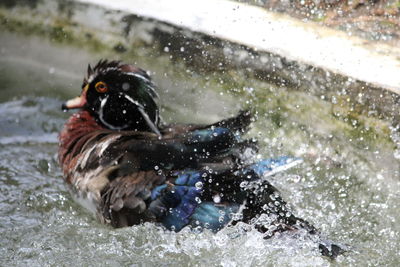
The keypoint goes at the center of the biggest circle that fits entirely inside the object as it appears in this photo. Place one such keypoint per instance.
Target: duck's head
(119, 96)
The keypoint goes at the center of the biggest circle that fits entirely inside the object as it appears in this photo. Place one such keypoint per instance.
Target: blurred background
(322, 76)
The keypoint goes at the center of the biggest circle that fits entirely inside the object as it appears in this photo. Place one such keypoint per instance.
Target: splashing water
(347, 191)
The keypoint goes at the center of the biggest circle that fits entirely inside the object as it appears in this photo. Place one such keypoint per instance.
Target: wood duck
(128, 168)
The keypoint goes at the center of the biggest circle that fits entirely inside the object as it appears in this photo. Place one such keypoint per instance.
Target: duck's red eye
(101, 87)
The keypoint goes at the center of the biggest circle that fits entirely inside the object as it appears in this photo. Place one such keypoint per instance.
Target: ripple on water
(40, 224)
(30, 120)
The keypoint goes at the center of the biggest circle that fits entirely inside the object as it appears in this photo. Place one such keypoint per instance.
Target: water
(348, 186)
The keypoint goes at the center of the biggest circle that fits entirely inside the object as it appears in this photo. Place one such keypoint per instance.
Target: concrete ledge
(317, 46)
(228, 41)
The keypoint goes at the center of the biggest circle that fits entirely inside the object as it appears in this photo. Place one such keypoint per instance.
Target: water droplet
(396, 154)
(236, 216)
(125, 86)
(198, 185)
(217, 198)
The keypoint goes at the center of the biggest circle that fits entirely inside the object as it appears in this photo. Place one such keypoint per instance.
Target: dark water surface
(348, 186)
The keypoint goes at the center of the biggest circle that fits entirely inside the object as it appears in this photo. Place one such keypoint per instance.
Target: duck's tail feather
(240, 122)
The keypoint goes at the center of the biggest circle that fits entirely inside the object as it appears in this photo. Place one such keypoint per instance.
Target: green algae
(56, 29)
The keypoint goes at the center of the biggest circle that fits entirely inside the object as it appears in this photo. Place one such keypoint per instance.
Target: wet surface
(371, 20)
(348, 186)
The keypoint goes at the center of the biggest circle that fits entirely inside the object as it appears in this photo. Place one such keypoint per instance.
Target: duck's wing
(185, 151)
(238, 149)
(181, 146)
(140, 164)
(238, 124)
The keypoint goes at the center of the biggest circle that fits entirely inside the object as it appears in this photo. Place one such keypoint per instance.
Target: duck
(125, 165)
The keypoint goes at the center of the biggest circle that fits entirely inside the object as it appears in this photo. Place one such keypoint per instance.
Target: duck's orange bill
(77, 102)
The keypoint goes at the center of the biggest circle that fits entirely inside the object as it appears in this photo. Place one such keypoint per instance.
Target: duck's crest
(101, 67)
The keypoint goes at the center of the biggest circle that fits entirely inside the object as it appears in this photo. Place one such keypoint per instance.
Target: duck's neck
(74, 135)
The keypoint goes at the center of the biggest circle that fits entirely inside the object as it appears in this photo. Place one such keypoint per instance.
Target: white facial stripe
(110, 69)
(144, 79)
(157, 115)
(144, 114)
(101, 116)
(133, 101)
(137, 76)
(148, 82)
(103, 102)
(149, 122)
